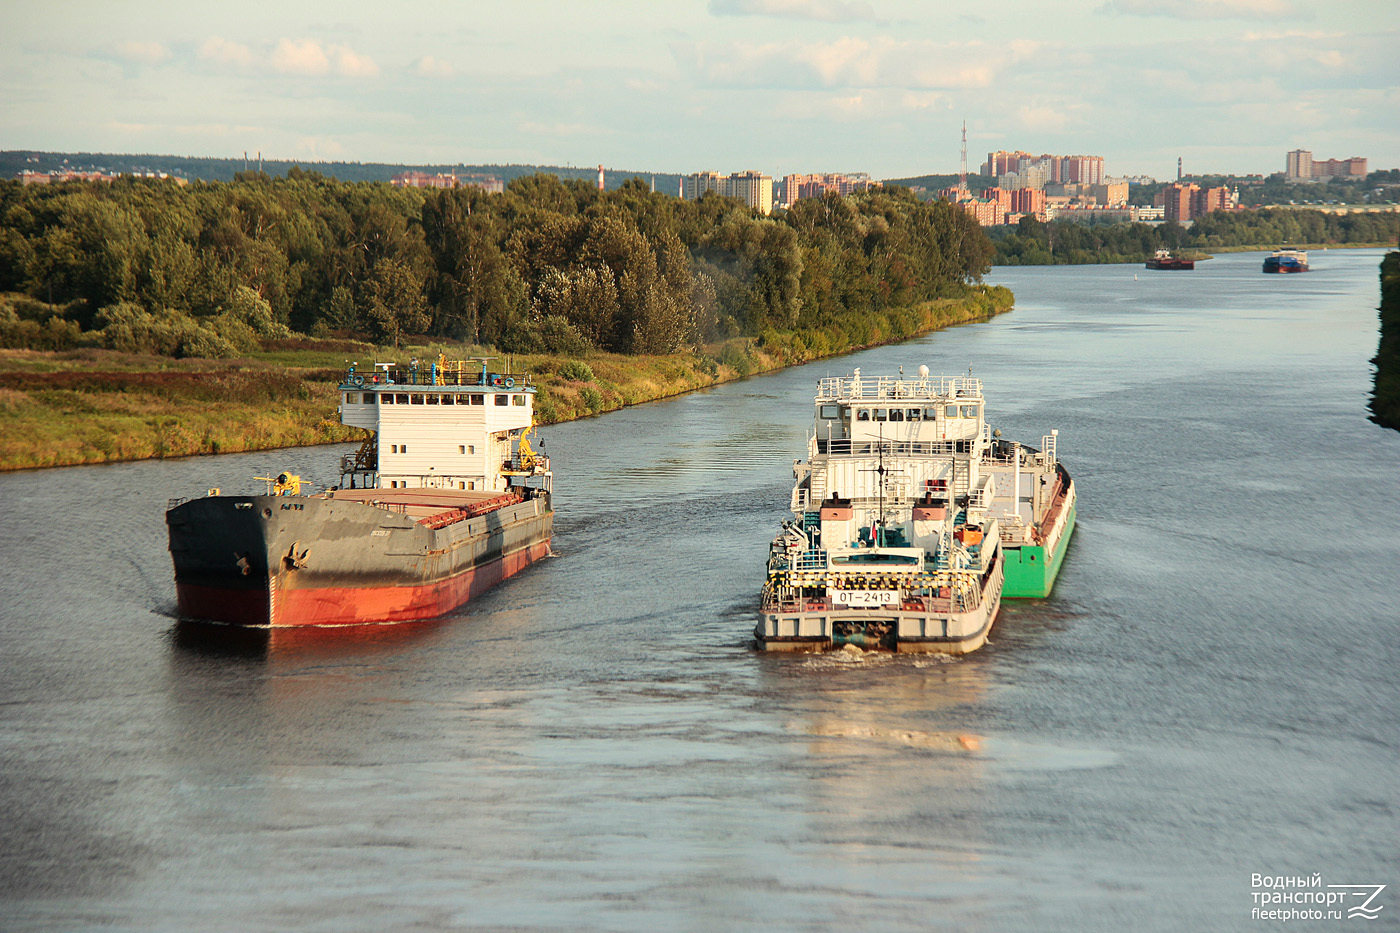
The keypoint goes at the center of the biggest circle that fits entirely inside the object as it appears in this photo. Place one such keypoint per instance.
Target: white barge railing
(852, 387)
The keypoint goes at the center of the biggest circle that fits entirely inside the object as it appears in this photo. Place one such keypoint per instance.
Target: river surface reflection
(1211, 692)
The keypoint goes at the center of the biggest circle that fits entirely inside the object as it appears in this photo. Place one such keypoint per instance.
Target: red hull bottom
(281, 608)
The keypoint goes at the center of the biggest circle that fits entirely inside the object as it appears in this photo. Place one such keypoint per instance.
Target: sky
(877, 86)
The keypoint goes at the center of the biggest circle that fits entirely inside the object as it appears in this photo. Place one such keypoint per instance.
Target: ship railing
(861, 387)
(428, 375)
(942, 601)
(847, 447)
(811, 559)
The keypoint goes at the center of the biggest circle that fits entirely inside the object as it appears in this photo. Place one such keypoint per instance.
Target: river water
(1211, 693)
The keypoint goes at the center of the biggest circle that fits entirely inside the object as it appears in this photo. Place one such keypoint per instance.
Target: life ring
(497, 381)
(357, 380)
(510, 383)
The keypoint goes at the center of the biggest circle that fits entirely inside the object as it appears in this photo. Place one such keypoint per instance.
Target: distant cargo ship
(1163, 259)
(1286, 260)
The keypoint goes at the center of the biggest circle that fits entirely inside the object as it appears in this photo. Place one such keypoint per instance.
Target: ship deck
(433, 507)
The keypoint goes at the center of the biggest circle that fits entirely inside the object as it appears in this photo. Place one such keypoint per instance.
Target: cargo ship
(912, 519)
(445, 498)
(1163, 259)
(1286, 260)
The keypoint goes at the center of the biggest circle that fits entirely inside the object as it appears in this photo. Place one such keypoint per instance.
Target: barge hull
(1031, 569)
(350, 605)
(264, 562)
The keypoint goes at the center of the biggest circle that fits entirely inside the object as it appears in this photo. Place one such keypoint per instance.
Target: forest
(212, 268)
(1032, 242)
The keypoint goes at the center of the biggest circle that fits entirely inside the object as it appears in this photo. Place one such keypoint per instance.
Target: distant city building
(998, 206)
(753, 188)
(488, 183)
(1183, 203)
(1024, 170)
(28, 177)
(794, 187)
(1302, 167)
(1113, 194)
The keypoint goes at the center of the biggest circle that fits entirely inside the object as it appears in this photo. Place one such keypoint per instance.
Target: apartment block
(1183, 203)
(1300, 166)
(753, 188)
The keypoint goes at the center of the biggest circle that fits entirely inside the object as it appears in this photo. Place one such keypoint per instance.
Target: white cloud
(430, 67)
(319, 148)
(141, 53)
(308, 57)
(229, 54)
(830, 11)
(303, 58)
(1043, 119)
(849, 62)
(351, 64)
(1203, 9)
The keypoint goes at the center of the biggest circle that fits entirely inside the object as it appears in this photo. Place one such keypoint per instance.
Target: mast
(962, 166)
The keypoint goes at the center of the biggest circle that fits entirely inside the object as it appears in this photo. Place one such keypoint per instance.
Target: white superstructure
(447, 425)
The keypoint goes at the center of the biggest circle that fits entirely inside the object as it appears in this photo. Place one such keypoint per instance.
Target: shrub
(577, 371)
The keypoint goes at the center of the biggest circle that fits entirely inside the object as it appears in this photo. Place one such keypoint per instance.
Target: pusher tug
(911, 521)
(445, 498)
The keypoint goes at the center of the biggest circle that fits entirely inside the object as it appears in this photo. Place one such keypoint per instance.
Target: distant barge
(1163, 259)
(1286, 260)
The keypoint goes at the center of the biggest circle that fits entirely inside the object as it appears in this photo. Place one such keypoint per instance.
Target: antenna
(962, 166)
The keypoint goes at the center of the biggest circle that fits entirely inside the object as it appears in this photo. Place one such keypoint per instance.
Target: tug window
(896, 414)
(969, 411)
(916, 414)
(502, 399)
(517, 400)
(951, 411)
(881, 414)
(862, 414)
(930, 414)
(401, 399)
(433, 399)
(415, 399)
(478, 400)
(351, 398)
(388, 400)
(829, 412)
(370, 397)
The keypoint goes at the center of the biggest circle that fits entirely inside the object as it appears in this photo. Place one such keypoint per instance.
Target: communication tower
(962, 165)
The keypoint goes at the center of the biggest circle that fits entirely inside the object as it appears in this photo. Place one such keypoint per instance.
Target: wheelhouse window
(415, 399)
(502, 399)
(478, 400)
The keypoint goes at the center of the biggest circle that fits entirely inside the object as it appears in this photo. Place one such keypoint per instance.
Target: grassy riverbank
(100, 406)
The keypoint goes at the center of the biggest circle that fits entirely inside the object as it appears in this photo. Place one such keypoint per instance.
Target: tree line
(550, 265)
(1385, 394)
(1032, 242)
